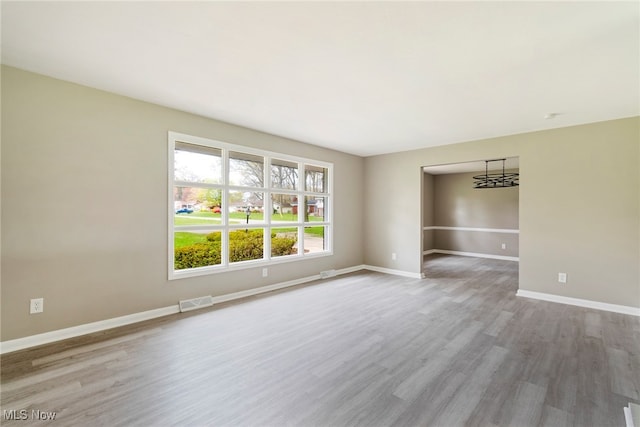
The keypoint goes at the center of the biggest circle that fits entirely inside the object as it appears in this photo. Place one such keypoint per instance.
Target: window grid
(267, 190)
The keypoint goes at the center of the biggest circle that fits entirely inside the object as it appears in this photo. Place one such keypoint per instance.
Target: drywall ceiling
(361, 77)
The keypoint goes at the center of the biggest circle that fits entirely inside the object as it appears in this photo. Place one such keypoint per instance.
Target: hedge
(197, 255)
(243, 245)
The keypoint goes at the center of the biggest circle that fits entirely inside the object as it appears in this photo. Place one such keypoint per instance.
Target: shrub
(244, 245)
(282, 245)
(246, 235)
(197, 255)
(216, 236)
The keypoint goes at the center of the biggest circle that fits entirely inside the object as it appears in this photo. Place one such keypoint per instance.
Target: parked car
(184, 210)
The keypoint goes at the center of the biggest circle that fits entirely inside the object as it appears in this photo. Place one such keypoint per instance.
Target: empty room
(320, 213)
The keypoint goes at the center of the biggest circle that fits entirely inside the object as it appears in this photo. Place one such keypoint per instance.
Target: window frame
(268, 189)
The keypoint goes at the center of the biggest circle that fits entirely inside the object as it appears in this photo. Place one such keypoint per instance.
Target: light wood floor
(367, 349)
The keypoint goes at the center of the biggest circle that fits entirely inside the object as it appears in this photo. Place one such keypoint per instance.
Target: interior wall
(428, 211)
(482, 243)
(457, 204)
(579, 207)
(84, 205)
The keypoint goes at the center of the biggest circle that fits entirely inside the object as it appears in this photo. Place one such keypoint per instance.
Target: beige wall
(579, 207)
(476, 242)
(84, 197)
(458, 204)
(455, 203)
(84, 205)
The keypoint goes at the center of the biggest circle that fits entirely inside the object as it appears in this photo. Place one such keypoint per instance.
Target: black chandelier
(496, 180)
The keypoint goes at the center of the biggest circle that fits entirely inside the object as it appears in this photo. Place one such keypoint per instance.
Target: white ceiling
(361, 77)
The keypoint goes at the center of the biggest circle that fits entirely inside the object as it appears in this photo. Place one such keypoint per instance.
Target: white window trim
(226, 266)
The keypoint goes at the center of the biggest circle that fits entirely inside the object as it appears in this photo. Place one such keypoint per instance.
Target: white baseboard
(623, 309)
(628, 418)
(281, 285)
(394, 272)
(632, 415)
(102, 325)
(87, 328)
(471, 254)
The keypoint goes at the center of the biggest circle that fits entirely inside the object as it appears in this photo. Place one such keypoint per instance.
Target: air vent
(196, 303)
(327, 274)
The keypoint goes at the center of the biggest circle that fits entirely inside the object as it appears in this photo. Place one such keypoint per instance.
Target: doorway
(458, 219)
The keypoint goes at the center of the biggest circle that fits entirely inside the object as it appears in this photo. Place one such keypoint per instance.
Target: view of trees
(195, 165)
(244, 170)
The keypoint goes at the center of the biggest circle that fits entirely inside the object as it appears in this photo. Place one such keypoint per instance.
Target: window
(234, 207)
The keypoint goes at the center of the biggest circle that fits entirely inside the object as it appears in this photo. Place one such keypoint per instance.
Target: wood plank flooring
(366, 349)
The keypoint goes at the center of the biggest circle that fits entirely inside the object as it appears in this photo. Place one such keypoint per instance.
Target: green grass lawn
(209, 218)
(292, 217)
(197, 218)
(289, 217)
(315, 231)
(182, 238)
(188, 220)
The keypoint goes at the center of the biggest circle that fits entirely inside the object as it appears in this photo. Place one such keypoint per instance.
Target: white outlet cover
(562, 277)
(36, 306)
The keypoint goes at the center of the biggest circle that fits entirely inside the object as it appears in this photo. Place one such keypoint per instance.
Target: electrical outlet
(265, 272)
(504, 246)
(393, 256)
(562, 277)
(36, 306)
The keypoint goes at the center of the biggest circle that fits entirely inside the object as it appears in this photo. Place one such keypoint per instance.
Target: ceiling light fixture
(496, 180)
